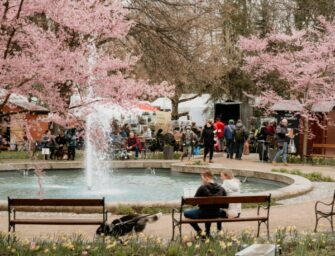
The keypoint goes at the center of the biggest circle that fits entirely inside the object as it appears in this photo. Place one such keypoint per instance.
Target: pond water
(124, 185)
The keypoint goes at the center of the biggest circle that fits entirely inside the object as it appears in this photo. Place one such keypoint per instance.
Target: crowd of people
(188, 139)
(61, 146)
(231, 138)
(274, 137)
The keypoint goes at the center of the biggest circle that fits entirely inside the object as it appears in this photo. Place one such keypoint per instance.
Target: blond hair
(228, 173)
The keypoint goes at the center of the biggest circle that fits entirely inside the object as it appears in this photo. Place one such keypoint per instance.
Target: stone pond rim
(296, 185)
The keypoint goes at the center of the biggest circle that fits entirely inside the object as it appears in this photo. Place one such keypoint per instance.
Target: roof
(287, 105)
(22, 102)
(324, 106)
(295, 106)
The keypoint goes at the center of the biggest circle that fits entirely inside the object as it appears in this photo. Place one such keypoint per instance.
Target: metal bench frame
(325, 214)
(220, 200)
(14, 205)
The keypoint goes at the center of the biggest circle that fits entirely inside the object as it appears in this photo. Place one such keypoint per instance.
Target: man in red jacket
(133, 143)
(219, 127)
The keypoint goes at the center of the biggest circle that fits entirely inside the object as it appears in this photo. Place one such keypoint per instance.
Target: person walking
(188, 140)
(71, 142)
(262, 143)
(61, 142)
(240, 136)
(282, 138)
(208, 188)
(229, 137)
(219, 126)
(207, 137)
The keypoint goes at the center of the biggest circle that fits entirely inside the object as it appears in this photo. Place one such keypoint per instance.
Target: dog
(127, 224)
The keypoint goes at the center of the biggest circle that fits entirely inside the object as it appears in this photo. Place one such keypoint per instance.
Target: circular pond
(123, 185)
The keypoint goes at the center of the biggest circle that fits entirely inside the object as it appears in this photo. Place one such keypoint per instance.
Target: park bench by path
(16, 205)
(262, 201)
(323, 148)
(326, 212)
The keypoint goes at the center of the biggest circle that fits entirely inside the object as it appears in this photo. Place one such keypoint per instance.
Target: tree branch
(190, 98)
(11, 36)
(85, 104)
(5, 101)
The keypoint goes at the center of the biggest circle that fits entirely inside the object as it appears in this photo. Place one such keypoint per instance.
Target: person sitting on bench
(208, 188)
(133, 143)
(232, 188)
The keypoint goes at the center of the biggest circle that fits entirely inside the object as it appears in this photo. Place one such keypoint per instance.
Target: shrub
(312, 176)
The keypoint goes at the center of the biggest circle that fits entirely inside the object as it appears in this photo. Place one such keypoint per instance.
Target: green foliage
(160, 155)
(28, 155)
(291, 241)
(312, 176)
(197, 162)
(14, 155)
(121, 209)
(296, 159)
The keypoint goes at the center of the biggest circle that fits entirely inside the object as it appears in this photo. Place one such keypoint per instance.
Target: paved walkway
(300, 214)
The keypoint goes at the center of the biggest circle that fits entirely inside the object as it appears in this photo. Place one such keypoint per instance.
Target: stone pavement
(300, 214)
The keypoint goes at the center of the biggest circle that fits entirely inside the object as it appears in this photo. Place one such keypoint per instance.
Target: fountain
(98, 129)
(98, 124)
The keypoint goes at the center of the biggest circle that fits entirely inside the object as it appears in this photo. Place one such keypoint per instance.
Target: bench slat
(221, 220)
(216, 200)
(55, 202)
(322, 155)
(57, 221)
(323, 145)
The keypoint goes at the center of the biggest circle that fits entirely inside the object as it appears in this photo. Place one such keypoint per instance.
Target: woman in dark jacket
(207, 137)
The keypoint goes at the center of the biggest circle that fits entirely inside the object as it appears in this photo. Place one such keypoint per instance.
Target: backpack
(239, 134)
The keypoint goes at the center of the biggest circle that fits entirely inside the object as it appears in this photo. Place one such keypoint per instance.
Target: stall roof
(22, 102)
(287, 105)
(324, 106)
(294, 106)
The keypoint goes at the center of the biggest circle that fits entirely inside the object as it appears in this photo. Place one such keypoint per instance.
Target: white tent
(195, 107)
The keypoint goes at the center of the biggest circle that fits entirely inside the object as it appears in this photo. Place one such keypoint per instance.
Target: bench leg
(9, 230)
(332, 222)
(174, 230)
(181, 238)
(259, 226)
(316, 223)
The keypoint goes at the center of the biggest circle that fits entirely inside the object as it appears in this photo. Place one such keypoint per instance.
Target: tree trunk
(174, 109)
(305, 139)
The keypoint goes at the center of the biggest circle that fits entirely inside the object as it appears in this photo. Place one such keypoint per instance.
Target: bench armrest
(175, 210)
(263, 207)
(320, 202)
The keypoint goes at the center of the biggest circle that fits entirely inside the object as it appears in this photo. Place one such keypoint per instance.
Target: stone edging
(297, 185)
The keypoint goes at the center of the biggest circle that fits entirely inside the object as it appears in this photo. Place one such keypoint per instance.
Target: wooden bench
(30, 205)
(323, 148)
(178, 221)
(327, 213)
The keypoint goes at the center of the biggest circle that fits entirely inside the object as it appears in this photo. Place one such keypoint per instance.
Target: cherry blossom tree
(303, 60)
(51, 48)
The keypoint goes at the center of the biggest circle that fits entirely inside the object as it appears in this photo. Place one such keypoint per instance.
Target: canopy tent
(195, 107)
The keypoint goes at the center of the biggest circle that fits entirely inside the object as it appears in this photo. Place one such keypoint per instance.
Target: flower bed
(290, 241)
